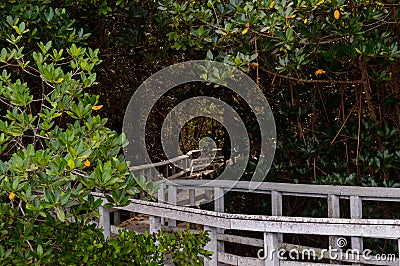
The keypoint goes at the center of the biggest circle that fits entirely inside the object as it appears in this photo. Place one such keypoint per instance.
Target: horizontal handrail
(166, 162)
(309, 190)
(378, 228)
(162, 163)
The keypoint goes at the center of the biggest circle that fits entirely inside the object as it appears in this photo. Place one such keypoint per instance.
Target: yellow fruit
(336, 14)
(12, 195)
(97, 107)
(272, 4)
(87, 163)
(319, 72)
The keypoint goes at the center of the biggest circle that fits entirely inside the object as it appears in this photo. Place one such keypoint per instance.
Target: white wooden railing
(165, 214)
(185, 165)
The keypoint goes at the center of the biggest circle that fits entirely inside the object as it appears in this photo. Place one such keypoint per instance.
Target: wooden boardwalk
(177, 208)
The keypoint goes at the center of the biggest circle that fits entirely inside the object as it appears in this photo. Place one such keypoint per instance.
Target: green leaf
(49, 196)
(289, 34)
(39, 250)
(60, 214)
(71, 164)
(210, 55)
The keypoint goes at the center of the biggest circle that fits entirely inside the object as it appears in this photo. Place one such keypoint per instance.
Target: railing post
(334, 212)
(398, 248)
(219, 199)
(211, 246)
(276, 208)
(219, 206)
(192, 197)
(172, 200)
(356, 213)
(141, 173)
(271, 249)
(161, 192)
(104, 221)
(155, 224)
(186, 166)
(117, 216)
(207, 194)
(161, 197)
(192, 202)
(191, 167)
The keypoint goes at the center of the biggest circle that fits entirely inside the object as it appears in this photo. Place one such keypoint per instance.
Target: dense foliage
(88, 247)
(55, 149)
(329, 69)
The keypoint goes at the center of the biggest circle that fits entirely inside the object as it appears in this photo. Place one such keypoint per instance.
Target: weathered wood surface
(377, 228)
